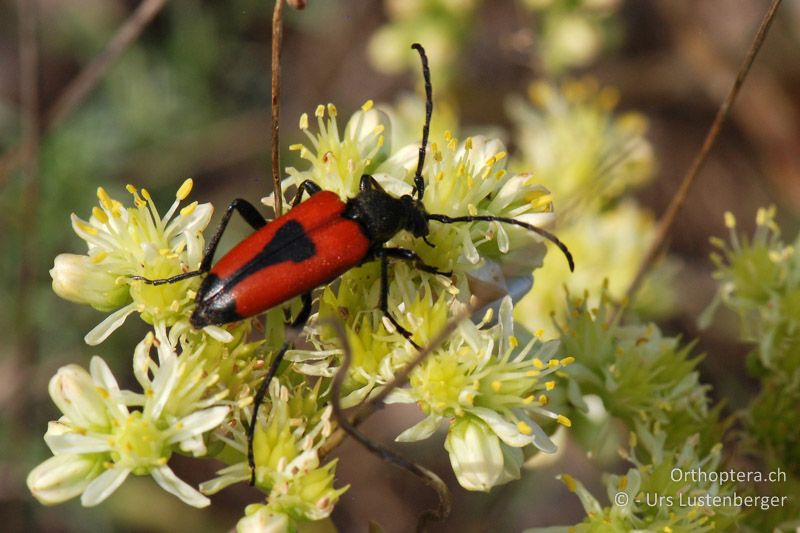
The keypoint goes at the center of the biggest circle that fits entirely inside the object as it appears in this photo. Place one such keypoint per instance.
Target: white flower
(135, 241)
(99, 441)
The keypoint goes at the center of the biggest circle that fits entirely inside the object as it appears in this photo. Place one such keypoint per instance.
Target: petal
(475, 454)
(171, 483)
(163, 384)
(227, 476)
(198, 423)
(75, 393)
(105, 328)
(103, 377)
(218, 334)
(508, 432)
(62, 477)
(103, 486)
(421, 430)
(264, 521)
(77, 443)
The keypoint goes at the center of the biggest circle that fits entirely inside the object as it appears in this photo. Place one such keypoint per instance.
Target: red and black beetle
(314, 243)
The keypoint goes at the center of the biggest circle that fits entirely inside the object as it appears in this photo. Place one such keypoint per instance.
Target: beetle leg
(384, 303)
(258, 399)
(297, 325)
(409, 255)
(250, 215)
(369, 183)
(308, 187)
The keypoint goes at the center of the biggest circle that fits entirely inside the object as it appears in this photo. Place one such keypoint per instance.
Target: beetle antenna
(530, 227)
(419, 183)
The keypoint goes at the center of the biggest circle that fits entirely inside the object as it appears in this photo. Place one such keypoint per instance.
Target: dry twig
(667, 221)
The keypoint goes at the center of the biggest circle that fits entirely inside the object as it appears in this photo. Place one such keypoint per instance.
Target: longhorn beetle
(313, 244)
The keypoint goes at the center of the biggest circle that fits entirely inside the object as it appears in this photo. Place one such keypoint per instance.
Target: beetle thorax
(383, 216)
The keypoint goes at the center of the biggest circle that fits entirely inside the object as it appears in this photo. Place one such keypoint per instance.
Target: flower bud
(77, 279)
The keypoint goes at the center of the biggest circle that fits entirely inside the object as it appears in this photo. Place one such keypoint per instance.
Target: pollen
(567, 360)
(104, 198)
(513, 341)
(468, 144)
(185, 189)
(377, 130)
(98, 257)
(550, 385)
(304, 121)
(569, 482)
(366, 106)
(448, 135)
(543, 399)
(100, 215)
(532, 373)
(320, 111)
(295, 147)
(91, 230)
(564, 421)
(332, 111)
(537, 363)
(491, 161)
(528, 400)
(730, 220)
(500, 155)
(539, 335)
(500, 174)
(524, 428)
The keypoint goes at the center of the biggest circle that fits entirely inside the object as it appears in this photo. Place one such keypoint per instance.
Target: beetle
(314, 243)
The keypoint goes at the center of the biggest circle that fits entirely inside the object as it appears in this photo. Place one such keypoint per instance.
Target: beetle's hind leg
(296, 326)
(250, 215)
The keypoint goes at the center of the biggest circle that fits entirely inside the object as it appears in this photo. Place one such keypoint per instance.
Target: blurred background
(188, 97)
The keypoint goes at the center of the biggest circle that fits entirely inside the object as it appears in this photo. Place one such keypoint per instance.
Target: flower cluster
(197, 390)
(759, 279)
(649, 383)
(589, 155)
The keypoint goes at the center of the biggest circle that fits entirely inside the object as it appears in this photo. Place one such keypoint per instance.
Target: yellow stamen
(564, 421)
(189, 209)
(539, 335)
(543, 399)
(185, 189)
(537, 363)
(91, 230)
(100, 215)
(500, 173)
(567, 360)
(295, 147)
(320, 111)
(552, 363)
(367, 105)
(304, 121)
(569, 482)
(524, 428)
(513, 341)
(730, 220)
(496, 386)
(532, 373)
(98, 257)
(332, 110)
(447, 135)
(528, 400)
(468, 144)
(550, 385)
(104, 198)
